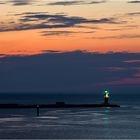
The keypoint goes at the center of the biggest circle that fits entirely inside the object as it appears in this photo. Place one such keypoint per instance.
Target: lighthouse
(106, 97)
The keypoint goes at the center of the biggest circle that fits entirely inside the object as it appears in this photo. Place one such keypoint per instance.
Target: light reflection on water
(121, 122)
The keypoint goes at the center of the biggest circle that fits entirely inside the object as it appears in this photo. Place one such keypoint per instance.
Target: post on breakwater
(37, 109)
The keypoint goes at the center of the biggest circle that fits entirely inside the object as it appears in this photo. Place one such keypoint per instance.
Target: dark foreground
(92, 122)
(71, 123)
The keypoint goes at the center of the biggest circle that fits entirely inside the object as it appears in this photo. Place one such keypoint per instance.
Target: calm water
(87, 123)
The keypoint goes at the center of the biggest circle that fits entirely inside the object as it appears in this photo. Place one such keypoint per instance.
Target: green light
(106, 94)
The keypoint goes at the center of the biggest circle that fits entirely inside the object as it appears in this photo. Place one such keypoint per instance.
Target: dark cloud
(65, 3)
(20, 2)
(2, 2)
(134, 14)
(73, 2)
(134, 1)
(57, 33)
(57, 72)
(45, 20)
(2, 55)
(125, 27)
(51, 33)
(133, 36)
(97, 2)
(65, 19)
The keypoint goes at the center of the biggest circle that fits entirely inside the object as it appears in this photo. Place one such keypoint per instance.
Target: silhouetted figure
(37, 107)
(106, 97)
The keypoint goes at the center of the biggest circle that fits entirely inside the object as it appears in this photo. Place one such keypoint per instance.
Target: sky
(69, 46)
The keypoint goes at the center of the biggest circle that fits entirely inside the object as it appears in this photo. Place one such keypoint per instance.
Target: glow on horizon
(101, 37)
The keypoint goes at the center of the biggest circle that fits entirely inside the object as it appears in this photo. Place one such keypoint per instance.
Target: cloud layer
(75, 2)
(134, 1)
(28, 21)
(124, 36)
(21, 2)
(56, 72)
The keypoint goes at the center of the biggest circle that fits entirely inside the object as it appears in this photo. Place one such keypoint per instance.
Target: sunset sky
(69, 45)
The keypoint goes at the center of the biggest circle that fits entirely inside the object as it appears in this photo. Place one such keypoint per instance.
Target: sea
(70, 123)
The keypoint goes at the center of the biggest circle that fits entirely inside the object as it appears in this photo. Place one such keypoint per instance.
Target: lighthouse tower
(106, 97)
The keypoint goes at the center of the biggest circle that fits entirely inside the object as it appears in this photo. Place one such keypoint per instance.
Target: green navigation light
(106, 91)
(106, 94)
